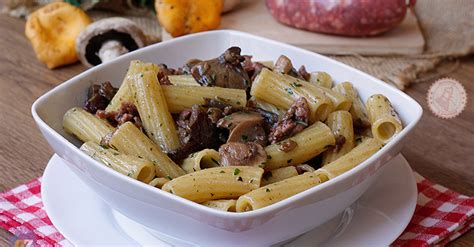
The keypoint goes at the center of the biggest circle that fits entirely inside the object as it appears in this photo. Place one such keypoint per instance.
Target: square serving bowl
(192, 222)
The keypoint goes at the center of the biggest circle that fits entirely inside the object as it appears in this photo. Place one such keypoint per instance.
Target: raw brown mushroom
(107, 39)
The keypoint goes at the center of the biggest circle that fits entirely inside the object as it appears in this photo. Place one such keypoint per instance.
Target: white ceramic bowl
(189, 221)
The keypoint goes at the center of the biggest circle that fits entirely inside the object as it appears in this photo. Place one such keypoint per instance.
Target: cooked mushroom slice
(244, 126)
(238, 154)
(107, 39)
(283, 65)
(223, 71)
(236, 118)
(248, 131)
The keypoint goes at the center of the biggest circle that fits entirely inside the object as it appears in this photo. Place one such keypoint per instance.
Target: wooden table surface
(441, 150)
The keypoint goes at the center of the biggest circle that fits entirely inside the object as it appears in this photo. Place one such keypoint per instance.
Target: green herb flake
(296, 84)
(267, 190)
(236, 171)
(301, 123)
(222, 172)
(169, 177)
(289, 91)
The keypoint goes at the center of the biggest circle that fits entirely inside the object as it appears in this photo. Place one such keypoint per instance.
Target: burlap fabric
(448, 29)
(447, 26)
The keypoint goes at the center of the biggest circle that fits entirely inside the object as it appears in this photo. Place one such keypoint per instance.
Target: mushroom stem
(110, 50)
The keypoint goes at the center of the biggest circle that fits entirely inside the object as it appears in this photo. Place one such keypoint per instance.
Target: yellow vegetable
(52, 30)
(180, 17)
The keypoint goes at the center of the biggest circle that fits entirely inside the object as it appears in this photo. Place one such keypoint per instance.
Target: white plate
(376, 219)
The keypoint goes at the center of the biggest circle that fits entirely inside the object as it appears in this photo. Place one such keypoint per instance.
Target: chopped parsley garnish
(301, 123)
(296, 84)
(236, 171)
(168, 177)
(222, 172)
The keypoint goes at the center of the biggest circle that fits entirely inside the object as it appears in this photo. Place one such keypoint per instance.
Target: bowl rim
(281, 205)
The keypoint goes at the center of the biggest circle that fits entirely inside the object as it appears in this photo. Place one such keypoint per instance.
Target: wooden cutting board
(251, 16)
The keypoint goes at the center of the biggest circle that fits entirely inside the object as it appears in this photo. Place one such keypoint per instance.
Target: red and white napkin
(441, 215)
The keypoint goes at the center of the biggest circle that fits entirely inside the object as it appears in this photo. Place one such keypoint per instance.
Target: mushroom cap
(89, 42)
(52, 31)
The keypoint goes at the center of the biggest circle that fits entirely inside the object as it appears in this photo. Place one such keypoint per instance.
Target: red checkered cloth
(441, 215)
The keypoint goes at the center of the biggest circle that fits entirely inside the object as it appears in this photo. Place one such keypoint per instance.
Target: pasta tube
(183, 80)
(322, 79)
(206, 158)
(132, 166)
(359, 154)
(312, 141)
(153, 109)
(130, 140)
(183, 97)
(385, 121)
(216, 183)
(268, 107)
(158, 182)
(276, 192)
(124, 94)
(85, 126)
(223, 205)
(339, 101)
(278, 175)
(340, 123)
(357, 110)
(282, 91)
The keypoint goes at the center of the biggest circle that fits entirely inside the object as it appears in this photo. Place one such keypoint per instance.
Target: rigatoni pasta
(206, 158)
(340, 123)
(132, 166)
(282, 91)
(85, 126)
(159, 182)
(183, 80)
(276, 192)
(351, 159)
(153, 109)
(124, 94)
(223, 205)
(180, 98)
(278, 175)
(312, 141)
(216, 183)
(130, 140)
(357, 110)
(204, 139)
(385, 121)
(322, 79)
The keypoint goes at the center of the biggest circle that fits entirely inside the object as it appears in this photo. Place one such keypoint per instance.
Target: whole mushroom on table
(107, 39)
